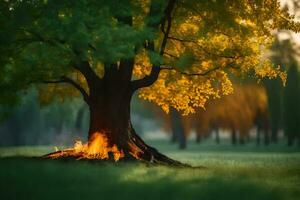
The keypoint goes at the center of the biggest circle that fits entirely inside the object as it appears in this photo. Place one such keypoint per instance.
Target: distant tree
(80, 119)
(32, 123)
(23, 124)
(291, 104)
(275, 92)
(174, 124)
(177, 128)
(237, 112)
(283, 52)
(179, 51)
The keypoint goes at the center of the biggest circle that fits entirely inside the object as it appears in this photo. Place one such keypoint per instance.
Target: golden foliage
(218, 54)
(48, 92)
(204, 50)
(236, 111)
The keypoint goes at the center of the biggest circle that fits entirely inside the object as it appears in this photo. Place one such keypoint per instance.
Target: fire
(135, 151)
(97, 148)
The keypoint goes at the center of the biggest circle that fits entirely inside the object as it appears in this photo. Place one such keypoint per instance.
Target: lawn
(241, 172)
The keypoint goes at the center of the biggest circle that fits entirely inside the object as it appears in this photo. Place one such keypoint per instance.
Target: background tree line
(270, 108)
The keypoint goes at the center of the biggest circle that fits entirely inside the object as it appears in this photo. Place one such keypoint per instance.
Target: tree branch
(205, 73)
(65, 79)
(147, 80)
(82, 66)
(167, 19)
(207, 52)
(192, 74)
(91, 77)
(153, 76)
(38, 38)
(181, 40)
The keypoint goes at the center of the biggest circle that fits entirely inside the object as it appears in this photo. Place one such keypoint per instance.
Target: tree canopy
(188, 49)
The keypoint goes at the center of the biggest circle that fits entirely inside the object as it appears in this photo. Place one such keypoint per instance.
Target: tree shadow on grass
(23, 178)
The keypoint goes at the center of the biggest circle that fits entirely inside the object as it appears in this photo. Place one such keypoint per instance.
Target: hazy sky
(296, 36)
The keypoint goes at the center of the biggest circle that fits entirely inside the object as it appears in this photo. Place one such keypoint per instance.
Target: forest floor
(240, 172)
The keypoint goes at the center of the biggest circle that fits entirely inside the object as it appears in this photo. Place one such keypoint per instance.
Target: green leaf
(155, 58)
(185, 61)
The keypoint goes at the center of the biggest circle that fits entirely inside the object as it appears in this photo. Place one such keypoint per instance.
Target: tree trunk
(199, 133)
(233, 136)
(241, 140)
(198, 137)
(274, 135)
(243, 136)
(290, 140)
(110, 116)
(217, 135)
(173, 137)
(267, 137)
(258, 130)
(178, 130)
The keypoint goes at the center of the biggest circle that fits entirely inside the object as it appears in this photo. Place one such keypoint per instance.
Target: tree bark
(115, 122)
(110, 116)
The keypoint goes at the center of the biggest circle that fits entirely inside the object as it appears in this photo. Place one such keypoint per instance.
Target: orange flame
(97, 148)
(135, 151)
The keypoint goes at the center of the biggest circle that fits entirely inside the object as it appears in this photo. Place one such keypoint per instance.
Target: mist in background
(261, 113)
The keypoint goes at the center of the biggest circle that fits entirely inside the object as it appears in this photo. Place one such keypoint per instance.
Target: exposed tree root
(160, 160)
(132, 149)
(150, 156)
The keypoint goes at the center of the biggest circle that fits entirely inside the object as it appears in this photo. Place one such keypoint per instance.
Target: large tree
(180, 52)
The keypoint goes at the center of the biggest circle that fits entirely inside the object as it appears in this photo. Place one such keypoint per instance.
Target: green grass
(249, 172)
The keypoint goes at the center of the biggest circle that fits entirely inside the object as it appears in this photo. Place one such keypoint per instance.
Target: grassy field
(241, 172)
